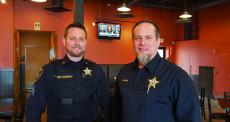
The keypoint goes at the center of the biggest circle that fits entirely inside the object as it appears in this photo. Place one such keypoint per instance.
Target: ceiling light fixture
(124, 8)
(3, 1)
(185, 14)
(40, 1)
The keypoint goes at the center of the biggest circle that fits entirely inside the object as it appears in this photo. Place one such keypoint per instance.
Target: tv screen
(109, 30)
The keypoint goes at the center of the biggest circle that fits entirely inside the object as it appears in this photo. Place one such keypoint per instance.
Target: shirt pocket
(64, 87)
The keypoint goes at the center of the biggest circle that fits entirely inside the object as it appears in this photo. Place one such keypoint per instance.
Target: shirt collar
(153, 64)
(66, 60)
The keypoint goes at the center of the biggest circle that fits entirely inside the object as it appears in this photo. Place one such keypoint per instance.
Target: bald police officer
(70, 87)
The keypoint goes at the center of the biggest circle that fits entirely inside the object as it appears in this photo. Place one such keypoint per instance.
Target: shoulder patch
(39, 74)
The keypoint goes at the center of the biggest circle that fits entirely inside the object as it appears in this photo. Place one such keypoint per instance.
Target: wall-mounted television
(109, 30)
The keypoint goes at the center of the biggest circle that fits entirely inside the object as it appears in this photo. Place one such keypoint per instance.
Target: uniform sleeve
(103, 95)
(185, 99)
(37, 101)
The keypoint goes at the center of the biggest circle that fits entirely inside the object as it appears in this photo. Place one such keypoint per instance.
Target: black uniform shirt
(159, 92)
(70, 90)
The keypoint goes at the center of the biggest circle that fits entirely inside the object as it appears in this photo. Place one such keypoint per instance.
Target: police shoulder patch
(39, 74)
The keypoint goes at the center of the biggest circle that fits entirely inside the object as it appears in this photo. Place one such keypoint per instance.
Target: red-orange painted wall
(121, 51)
(214, 31)
(6, 35)
(25, 13)
(187, 56)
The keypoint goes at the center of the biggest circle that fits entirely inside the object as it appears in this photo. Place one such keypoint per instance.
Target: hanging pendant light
(185, 14)
(123, 8)
(40, 1)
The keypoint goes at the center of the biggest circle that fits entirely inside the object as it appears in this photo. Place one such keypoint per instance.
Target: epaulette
(55, 62)
(89, 63)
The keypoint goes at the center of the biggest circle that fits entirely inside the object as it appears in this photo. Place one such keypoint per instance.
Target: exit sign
(37, 26)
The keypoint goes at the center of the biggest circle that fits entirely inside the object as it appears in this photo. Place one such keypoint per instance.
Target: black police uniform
(71, 92)
(160, 92)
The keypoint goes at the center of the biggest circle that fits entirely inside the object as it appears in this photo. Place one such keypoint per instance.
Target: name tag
(64, 76)
(124, 80)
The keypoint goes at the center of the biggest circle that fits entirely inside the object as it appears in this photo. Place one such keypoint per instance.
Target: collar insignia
(87, 71)
(152, 83)
(63, 62)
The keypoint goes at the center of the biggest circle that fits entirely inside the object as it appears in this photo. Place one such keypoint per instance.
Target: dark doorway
(206, 75)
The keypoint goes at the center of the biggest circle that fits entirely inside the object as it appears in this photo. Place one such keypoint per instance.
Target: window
(161, 51)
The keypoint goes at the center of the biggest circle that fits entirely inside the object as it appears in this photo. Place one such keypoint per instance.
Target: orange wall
(25, 13)
(214, 31)
(6, 35)
(187, 56)
(121, 51)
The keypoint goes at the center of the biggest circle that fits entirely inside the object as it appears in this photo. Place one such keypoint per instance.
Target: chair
(202, 98)
(226, 95)
(215, 115)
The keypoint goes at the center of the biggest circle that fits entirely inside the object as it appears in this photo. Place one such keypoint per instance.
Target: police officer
(151, 89)
(70, 87)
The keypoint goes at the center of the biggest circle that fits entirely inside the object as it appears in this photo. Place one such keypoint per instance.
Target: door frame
(18, 61)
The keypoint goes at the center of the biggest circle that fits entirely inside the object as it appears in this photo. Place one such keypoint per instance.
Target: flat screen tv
(109, 30)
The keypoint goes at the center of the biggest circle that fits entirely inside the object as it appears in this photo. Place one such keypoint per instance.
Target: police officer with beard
(151, 89)
(72, 87)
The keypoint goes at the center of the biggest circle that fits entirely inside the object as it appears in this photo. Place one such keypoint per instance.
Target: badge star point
(152, 83)
(87, 71)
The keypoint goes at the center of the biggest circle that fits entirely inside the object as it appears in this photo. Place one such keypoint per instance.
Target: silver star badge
(152, 83)
(87, 71)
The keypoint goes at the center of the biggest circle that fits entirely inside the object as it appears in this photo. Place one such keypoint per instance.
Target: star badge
(87, 71)
(152, 83)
